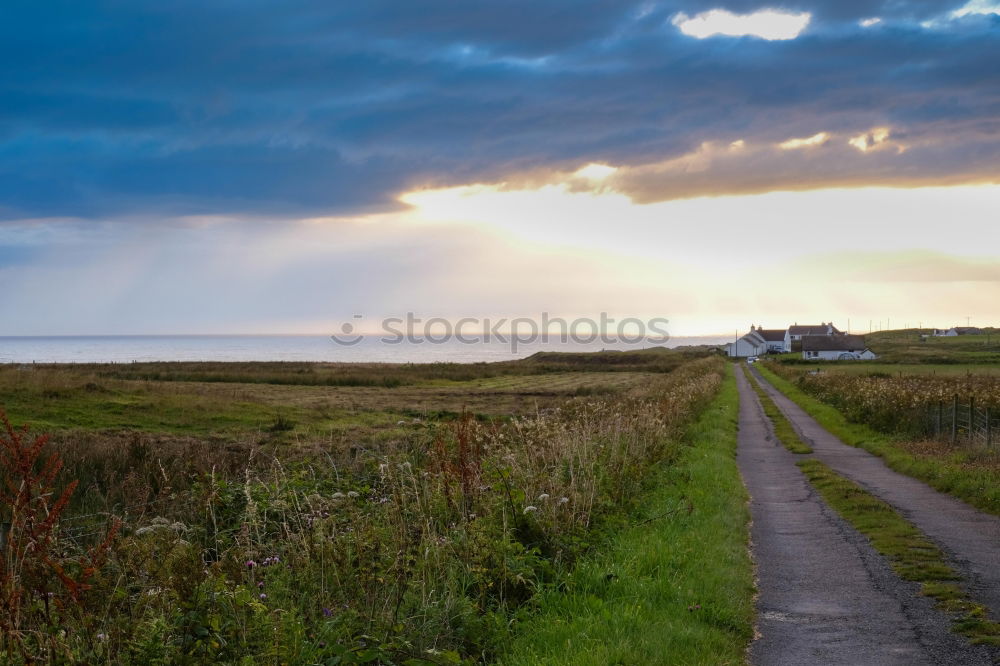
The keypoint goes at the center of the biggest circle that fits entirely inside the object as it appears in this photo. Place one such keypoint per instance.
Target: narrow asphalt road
(969, 537)
(824, 595)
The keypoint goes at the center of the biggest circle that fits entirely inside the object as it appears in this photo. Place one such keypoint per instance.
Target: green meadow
(394, 514)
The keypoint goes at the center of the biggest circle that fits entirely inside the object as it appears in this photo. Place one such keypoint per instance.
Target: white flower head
(543, 497)
(529, 509)
(563, 500)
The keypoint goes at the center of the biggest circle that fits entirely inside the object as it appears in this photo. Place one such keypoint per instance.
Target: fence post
(954, 419)
(972, 417)
(989, 430)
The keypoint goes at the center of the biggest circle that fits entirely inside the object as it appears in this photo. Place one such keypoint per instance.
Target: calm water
(125, 349)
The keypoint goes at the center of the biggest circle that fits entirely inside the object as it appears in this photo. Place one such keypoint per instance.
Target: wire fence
(964, 423)
(80, 528)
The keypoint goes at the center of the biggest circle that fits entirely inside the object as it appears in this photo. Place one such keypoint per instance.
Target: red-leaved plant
(30, 508)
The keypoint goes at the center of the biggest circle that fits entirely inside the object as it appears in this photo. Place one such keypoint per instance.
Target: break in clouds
(292, 109)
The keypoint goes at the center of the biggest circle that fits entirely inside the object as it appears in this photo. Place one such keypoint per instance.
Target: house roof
(967, 330)
(812, 329)
(834, 343)
(809, 330)
(772, 335)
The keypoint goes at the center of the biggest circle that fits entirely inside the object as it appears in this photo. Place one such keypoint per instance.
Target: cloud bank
(302, 107)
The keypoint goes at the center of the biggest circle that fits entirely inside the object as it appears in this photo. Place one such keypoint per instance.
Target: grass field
(906, 369)
(414, 512)
(909, 348)
(83, 397)
(677, 586)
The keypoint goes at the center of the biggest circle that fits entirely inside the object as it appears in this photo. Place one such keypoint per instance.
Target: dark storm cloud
(309, 107)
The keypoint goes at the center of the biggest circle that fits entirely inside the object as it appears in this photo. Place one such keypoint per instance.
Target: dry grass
(306, 531)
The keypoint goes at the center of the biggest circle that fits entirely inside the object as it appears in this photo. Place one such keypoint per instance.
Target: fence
(966, 423)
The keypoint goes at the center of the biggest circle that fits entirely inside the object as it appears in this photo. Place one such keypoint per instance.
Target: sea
(313, 348)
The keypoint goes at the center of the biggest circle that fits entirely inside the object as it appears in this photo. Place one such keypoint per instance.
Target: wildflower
(101, 637)
(543, 497)
(338, 496)
(352, 494)
(563, 500)
(327, 612)
(251, 564)
(529, 509)
(260, 584)
(263, 596)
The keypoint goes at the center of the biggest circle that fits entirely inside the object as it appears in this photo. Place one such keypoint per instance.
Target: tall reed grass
(426, 550)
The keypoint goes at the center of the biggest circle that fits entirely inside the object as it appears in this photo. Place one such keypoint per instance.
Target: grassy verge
(949, 473)
(912, 556)
(676, 587)
(783, 429)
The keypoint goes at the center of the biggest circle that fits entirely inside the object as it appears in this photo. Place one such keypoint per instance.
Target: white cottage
(751, 344)
(956, 331)
(836, 348)
(796, 333)
(757, 342)
(775, 340)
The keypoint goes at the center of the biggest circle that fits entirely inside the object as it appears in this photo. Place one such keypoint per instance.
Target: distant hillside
(913, 345)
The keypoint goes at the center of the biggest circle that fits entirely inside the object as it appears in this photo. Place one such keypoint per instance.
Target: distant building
(839, 347)
(757, 342)
(957, 330)
(796, 333)
(751, 344)
(774, 340)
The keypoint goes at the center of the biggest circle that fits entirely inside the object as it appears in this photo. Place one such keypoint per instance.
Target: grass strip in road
(979, 486)
(674, 588)
(911, 554)
(783, 429)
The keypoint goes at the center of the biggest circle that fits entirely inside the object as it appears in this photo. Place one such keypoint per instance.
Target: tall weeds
(37, 580)
(423, 551)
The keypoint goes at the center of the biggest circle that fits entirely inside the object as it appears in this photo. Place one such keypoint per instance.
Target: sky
(281, 167)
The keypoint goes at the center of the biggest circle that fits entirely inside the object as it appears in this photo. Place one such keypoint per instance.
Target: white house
(757, 342)
(750, 344)
(796, 333)
(956, 330)
(775, 340)
(836, 348)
